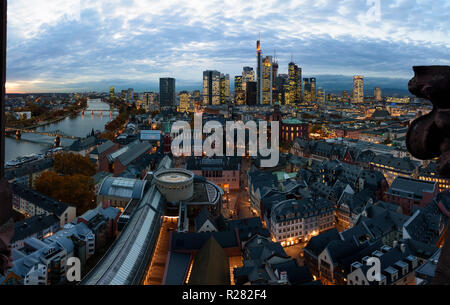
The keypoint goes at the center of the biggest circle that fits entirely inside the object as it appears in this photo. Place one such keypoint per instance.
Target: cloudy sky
(78, 45)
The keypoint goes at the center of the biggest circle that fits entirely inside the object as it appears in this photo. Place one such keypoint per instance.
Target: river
(79, 126)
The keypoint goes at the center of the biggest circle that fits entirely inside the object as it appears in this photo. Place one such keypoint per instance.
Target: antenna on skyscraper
(275, 56)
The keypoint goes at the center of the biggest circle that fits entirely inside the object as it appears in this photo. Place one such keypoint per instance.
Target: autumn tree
(78, 190)
(72, 164)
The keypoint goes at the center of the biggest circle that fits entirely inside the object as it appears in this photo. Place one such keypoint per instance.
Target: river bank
(80, 126)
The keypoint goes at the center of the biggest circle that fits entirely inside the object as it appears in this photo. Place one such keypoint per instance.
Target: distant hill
(338, 83)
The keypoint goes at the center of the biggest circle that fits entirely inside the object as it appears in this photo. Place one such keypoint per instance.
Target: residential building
(223, 171)
(410, 193)
(398, 266)
(31, 203)
(293, 221)
(39, 227)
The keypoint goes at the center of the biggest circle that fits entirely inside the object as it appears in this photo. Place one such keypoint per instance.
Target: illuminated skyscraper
(294, 95)
(321, 95)
(211, 87)
(377, 94)
(112, 92)
(237, 83)
(224, 88)
(167, 96)
(267, 81)
(313, 92)
(196, 96)
(274, 72)
(358, 89)
(239, 93)
(248, 75)
(259, 73)
(306, 90)
(185, 102)
(282, 83)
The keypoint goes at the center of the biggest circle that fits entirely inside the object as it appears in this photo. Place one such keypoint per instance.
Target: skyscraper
(377, 94)
(251, 94)
(167, 96)
(185, 101)
(295, 84)
(259, 73)
(321, 95)
(224, 88)
(274, 72)
(248, 75)
(313, 92)
(211, 87)
(358, 89)
(283, 89)
(306, 90)
(111, 92)
(239, 93)
(267, 81)
(237, 83)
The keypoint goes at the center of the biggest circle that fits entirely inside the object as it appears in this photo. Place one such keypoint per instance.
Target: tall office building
(211, 87)
(321, 95)
(358, 89)
(377, 94)
(185, 102)
(251, 94)
(267, 81)
(112, 93)
(167, 95)
(281, 93)
(306, 90)
(239, 92)
(294, 95)
(196, 95)
(313, 92)
(224, 88)
(248, 75)
(130, 93)
(259, 73)
(275, 73)
(237, 83)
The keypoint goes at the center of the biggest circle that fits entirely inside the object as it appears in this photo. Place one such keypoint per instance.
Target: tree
(78, 190)
(72, 164)
(107, 135)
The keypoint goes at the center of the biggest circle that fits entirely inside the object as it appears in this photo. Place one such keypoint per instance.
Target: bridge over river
(56, 133)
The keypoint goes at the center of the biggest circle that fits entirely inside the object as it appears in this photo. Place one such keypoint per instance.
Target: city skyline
(123, 43)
